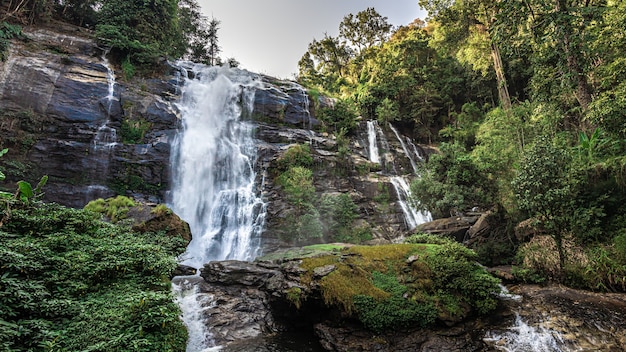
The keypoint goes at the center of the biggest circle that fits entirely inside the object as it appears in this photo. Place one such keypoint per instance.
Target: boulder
(455, 227)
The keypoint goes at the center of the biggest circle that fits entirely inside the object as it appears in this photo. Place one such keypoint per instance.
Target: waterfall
(373, 146)
(214, 183)
(404, 148)
(214, 186)
(375, 135)
(106, 136)
(412, 216)
(192, 303)
(523, 337)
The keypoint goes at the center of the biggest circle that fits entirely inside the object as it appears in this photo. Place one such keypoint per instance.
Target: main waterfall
(214, 182)
(214, 185)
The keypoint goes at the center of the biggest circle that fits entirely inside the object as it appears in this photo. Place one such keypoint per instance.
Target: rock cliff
(63, 115)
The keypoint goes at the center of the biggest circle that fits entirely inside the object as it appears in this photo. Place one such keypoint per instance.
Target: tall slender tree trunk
(583, 89)
(503, 90)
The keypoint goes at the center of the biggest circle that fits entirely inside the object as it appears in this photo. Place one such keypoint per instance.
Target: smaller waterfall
(106, 136)
(404, 148)
(192, 303)
(373, 146)
(522, 337)
(411, 215)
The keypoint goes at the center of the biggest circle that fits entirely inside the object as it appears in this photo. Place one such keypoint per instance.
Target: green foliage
(134, 131)
(296, 155)
(298, 185)
(7, 32)
(140, 32)
(114, 208)
(161, 210)
(338, 212)
(340, 117)
(452, 182)
(395, 311)
(387, 111)
(394, 286)
(73, 283)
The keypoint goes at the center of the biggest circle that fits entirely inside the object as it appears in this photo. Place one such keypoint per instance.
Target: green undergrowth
(113, 208)
(402, 285)
(70, 282)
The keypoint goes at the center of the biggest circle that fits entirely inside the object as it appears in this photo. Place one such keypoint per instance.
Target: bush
(296, 155)
(452, 182)
(298, 185)
(73, 283)
(114, 208)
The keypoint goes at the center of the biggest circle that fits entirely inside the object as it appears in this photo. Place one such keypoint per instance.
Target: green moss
(399, 285)
(114, 208)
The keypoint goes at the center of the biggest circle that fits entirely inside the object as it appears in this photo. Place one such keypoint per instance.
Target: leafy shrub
(394, 311)
(7, 32)
(340, 117)
(114, 208)
(296, 155)
(451, 182)
(298, 185)
(73, 283)
(133, 131)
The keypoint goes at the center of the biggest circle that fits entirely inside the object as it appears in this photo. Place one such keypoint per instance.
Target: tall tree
(213, 43)
(466, 26)
(140, 31)
(365, 29)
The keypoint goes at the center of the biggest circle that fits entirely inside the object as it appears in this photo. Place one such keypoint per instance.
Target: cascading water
(104, 140)
(374, 156)
(522, 337)
(412, 216)
(404, 148)
(214, 184)
(106, 136)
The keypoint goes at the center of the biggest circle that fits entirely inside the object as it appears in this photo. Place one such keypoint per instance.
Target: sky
(270, 36)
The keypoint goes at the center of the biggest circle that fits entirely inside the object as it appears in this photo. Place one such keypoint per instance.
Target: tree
(365, 30)
(195, 32)
(465, 28)
(140, 31)
(330, 55)
(544, 190)
(213, 44)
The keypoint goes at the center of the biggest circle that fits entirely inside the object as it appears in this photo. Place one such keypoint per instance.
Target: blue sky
(270, 36)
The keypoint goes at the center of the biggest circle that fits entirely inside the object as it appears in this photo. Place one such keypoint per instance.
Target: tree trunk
(503, 90)
(583, 90)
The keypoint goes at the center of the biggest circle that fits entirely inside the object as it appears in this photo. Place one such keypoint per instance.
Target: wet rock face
(54, 98)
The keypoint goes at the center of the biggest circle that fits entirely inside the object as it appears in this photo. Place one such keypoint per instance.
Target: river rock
(455, 227)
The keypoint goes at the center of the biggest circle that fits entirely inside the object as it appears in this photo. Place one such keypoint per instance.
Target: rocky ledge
(352, 298)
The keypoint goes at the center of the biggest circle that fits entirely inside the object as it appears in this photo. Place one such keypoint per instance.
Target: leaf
(4, 151)
(41, 184)
(26, 190)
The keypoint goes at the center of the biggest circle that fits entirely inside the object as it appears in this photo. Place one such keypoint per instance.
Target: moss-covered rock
(383, 288)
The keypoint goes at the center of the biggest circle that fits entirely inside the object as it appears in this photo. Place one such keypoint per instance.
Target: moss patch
(391, 286)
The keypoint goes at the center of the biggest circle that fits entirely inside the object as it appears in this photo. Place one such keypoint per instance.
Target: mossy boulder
(143, 217)
(383, 289)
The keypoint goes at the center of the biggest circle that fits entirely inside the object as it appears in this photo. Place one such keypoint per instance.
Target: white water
(214, 184)
(522, 337)
(404, 148)
(106, 136)
(412, 217)
(214, 187)
(373, 146)
(193, 304)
